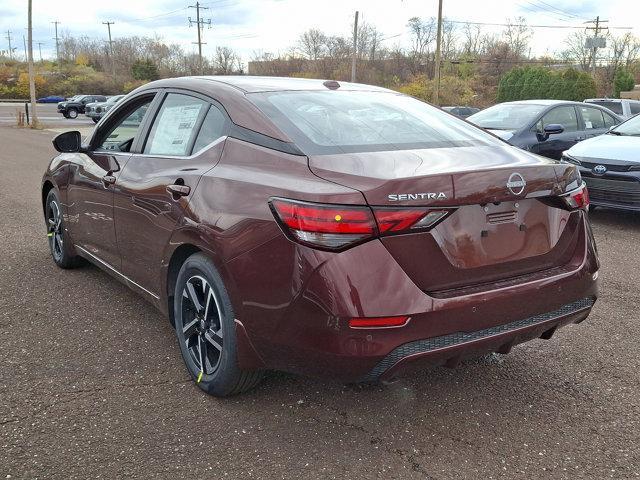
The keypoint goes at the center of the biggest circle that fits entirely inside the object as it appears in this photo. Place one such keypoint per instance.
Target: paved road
(92, 384)
(47, 114)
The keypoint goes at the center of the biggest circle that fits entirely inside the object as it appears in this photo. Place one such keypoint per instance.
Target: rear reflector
(578, 198)
(379, 322)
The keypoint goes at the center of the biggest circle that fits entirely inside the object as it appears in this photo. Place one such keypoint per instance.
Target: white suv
(623, 107)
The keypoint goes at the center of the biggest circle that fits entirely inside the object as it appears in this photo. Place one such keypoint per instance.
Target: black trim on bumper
(458, 338)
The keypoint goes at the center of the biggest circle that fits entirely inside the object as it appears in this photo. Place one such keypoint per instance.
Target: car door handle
(178, 190)
(108, 180)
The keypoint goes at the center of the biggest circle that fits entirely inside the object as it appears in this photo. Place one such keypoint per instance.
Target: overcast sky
(274, 25)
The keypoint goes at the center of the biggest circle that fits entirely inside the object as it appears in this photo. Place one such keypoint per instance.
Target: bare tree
(575, 51)
(313, 44)
(517, 35)
(226, 61)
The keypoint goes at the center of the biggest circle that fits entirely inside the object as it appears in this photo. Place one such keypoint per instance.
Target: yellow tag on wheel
(50, 234)
(199, 377)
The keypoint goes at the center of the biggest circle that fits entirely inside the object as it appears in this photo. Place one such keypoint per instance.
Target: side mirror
(68, 142)
(553, 128)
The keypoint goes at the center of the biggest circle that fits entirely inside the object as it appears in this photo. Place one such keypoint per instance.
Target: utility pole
(595, 42)
(56, 23)
(355, 48)
(436, 72)
(113, 60)
(10, 48)
(32, 83)
(24, 42)
(40, 50)
(200, 22)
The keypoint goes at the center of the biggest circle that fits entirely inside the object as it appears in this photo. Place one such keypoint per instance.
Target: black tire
(65, 114)
(208, 331)
(95, 120)
(72, 113)
(59, 242)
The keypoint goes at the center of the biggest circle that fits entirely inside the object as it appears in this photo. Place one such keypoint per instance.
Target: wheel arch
(47, 186)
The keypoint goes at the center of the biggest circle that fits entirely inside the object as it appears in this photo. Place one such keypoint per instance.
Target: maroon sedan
(323, 228)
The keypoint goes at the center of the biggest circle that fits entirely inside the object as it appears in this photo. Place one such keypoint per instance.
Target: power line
(200, 23)
(581, 27)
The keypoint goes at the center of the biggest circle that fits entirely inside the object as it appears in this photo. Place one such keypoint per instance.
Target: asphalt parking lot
(92, 383)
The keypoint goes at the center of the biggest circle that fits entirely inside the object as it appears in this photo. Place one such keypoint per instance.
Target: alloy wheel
(54, 230)
(202, 331)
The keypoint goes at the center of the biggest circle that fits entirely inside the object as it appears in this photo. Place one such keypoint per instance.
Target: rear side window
(634, 107)
(213, 127)
(610, 120)
(175, 125)
(565, 116)
(325, 122)
(615, 107)
(592, 117)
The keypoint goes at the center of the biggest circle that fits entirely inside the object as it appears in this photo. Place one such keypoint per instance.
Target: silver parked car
(95, 111)
(610, 166)
(623, 107)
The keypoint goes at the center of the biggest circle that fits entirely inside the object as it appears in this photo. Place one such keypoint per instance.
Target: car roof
(611, 100)
(255, 84)
(543, 102)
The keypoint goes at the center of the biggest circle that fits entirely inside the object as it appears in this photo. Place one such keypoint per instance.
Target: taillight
(332, 227)
(578, 198)
(395, 220)
(336, 227)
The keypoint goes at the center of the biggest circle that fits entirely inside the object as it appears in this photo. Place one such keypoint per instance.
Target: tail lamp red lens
(378, 322)
(335, 227)
(578, 198)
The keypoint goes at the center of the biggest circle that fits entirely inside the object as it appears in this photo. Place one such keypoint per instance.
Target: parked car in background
(331, 229)
(545, 127)
(462, 112)
(610, 166)
(95, 111)
(51, 99)
(76, 105)
(623, 107)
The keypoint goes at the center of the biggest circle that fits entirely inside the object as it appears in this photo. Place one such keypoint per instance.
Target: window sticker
(175, 126)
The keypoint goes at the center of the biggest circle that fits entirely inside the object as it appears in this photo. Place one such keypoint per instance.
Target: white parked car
(610, 165)
(623, 107)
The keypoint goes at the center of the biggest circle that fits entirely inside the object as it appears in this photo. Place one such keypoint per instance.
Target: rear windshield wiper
(613, 132)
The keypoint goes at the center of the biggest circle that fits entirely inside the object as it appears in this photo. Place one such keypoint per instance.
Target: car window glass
(212, 128)
(635, 108)
(592, 118)
(609, 120)
(120, 137)
(565, 116)
(615, 107)
(175, 125)
(325, 122)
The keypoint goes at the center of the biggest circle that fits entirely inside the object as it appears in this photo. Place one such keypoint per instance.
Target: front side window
(565, 116)
(324, 122)
(121, 135)
(634, 108)
(174, 128)
(592, 118)
(610, 120)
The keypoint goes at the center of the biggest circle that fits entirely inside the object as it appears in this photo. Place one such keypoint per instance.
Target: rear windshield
(615, 107)
(347, 121)
(507, 116)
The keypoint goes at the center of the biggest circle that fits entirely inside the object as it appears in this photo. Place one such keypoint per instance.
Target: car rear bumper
(449, 350)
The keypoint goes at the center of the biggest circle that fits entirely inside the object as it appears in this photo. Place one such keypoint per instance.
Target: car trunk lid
(499, 228)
